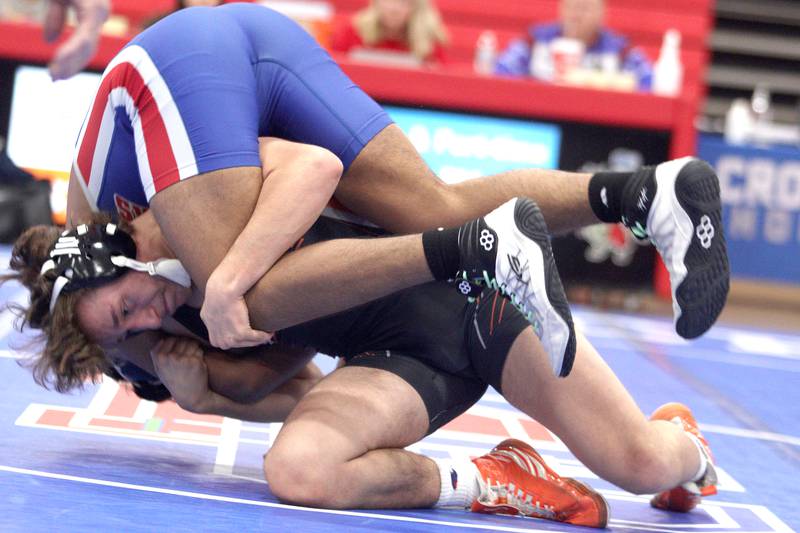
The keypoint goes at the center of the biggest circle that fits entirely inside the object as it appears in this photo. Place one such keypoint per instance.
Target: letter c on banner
(788, 186)
(730, 167)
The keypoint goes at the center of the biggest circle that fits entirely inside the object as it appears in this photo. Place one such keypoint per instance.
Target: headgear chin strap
(95, 254)
(171, 269)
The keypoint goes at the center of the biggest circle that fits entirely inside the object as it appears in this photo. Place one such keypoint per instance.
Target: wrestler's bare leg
(391, 185)
(362, 465)
(363, 417)
(593, 414)
(311, 282)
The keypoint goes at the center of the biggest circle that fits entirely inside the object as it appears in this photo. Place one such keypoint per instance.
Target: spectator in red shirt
(410, 28)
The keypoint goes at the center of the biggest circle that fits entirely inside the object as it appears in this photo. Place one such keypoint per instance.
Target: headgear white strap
(170, 269)
(47, 267)
(59, 284)
(64, 246)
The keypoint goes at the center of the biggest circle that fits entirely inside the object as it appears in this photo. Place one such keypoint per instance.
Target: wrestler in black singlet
(447, 348)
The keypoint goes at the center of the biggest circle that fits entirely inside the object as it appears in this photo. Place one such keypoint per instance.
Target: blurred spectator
(581, 20)
(76, 52)
(407, 26)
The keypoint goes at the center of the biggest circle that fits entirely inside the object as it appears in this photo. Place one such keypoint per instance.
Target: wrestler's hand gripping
(225, 315)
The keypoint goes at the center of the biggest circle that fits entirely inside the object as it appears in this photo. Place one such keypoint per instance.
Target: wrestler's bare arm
(249, 380)
(189, 373)
(299, 180)
(78, 209)
(241, 379)
(274, 407)
(234, 224)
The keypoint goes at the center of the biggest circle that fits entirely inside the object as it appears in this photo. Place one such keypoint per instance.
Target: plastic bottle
(485, 53)
(668, 70)
(761, 103)
(739, 122)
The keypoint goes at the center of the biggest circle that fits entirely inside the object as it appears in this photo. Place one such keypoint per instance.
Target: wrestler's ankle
(459, 483)
(605, 195)
(442, 252)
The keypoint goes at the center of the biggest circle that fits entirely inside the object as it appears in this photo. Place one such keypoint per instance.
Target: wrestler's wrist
(225, 283)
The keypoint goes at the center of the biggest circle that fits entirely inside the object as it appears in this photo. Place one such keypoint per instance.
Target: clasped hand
(181, 367)
(226, 317)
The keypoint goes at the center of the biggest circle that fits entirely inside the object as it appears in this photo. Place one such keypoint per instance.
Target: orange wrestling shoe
(515, 480)
(687, 496)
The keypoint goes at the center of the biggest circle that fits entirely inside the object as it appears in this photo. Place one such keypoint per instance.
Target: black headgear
(95, 254)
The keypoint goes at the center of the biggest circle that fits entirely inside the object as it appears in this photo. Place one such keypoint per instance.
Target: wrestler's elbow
(195, 406)
(245, 395)
(243, 389)
(323, 164)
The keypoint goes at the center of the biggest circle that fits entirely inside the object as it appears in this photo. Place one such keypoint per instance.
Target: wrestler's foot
(515, 480)
(509, 250)
(677, 206)
(687, 496)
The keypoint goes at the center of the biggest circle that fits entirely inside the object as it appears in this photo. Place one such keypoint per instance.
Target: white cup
(567, 56)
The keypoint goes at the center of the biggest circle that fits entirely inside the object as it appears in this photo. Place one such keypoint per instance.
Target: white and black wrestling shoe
(509, 250)
(677, 206)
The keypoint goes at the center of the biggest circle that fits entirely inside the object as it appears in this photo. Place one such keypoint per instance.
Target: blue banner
(761, 207)
(460, 146)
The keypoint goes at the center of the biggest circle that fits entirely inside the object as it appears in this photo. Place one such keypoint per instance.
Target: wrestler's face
(135, 302)
(394, 14)
(582, 19)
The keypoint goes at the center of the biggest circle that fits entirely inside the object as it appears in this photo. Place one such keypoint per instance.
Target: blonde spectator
(401, 26)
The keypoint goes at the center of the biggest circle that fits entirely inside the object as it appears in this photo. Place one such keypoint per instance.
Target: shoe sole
(530, 222)
(581, 488)
(702, 280)
(558, 330)
(598, 499)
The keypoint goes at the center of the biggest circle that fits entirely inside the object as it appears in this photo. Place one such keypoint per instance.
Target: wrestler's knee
(646, 467)
(300, 473)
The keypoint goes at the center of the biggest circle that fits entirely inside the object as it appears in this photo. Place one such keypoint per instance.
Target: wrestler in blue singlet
(193, 93)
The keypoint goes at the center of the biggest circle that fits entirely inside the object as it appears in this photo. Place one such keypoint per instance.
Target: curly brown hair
(67, 358)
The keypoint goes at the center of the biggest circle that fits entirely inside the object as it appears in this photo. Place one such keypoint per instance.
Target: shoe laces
(519, 302)
(640, 232)
(702, 486)
(498, 493)
(525, 461)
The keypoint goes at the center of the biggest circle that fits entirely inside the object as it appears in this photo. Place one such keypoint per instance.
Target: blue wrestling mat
(104, 460)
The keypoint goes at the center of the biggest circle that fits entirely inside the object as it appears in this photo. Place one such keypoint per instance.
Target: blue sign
(761, 207)
(459, 146)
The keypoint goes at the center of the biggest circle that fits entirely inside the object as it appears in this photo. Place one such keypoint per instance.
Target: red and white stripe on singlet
(163, 149)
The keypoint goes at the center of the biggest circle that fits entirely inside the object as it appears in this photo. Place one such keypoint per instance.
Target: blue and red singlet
(193, 93)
